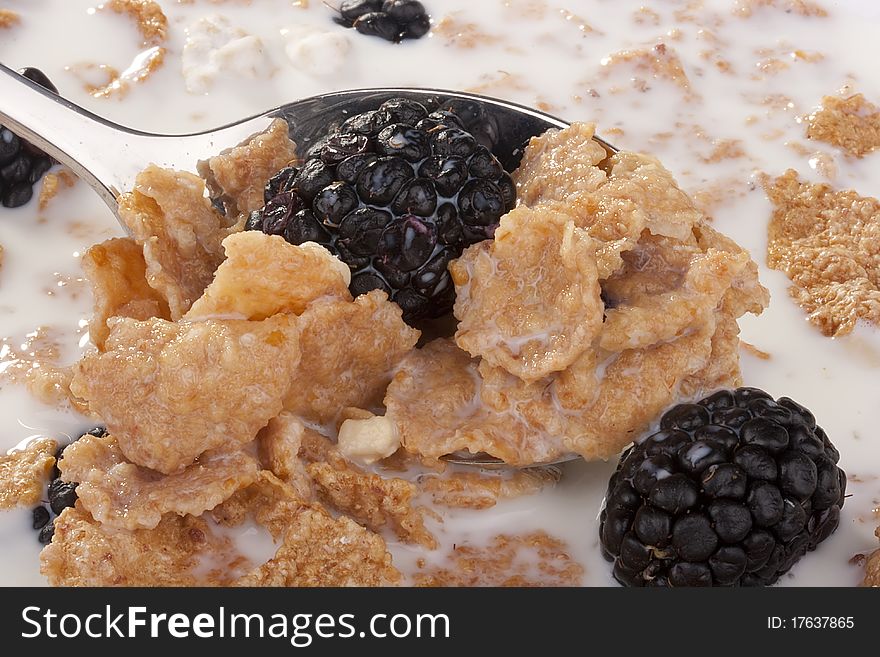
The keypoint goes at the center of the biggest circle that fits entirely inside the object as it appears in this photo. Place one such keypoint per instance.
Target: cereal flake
(168, 214)
(828, 243)
(120, 494)
(118, 275)
(852, 124)
(264, 275)
(169, 392)
(23, 473)
(349, 350)
(321, 551)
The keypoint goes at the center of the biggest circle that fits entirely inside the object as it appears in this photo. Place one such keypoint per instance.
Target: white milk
(533, 52)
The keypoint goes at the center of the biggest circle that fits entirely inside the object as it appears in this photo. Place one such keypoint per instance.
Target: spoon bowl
(109, 156)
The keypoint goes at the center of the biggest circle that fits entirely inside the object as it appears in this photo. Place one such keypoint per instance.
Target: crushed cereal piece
(349, 350)
(8, 18)
(528, 301)
(151, 22)
(264, 275)
(828, 243)
(53, 182)
(168, 214)
(86, 553)
(321, 551)
(535, 559)
(872, 566)
(169, 392)
(120, 494)
(371, 500)
(23, 473)
(239, 176)
(269, 501)
(852, 124)
(279, 444)
(745, 8)
(482, 490)
(118, 275)
(661, 62)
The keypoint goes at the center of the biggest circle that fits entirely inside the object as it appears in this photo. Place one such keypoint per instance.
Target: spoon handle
(106, 155)
(95, 149)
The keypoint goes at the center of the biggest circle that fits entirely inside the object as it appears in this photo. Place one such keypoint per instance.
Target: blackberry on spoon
(396, 193)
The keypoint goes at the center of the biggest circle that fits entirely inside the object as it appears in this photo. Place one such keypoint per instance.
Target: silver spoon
(109, 156)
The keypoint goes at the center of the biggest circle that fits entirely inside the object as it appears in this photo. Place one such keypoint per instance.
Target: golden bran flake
(828, 244)
(535, 559)
(24, 472)
(852, 124)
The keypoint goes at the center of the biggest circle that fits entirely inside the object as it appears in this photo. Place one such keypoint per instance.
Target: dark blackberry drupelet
(731, 491)
(59, 495)
(396, 193)
(21, 163)
(392, 20)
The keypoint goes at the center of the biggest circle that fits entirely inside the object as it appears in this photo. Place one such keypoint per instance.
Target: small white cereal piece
(368, 441)
(214, 47)
(316, 52)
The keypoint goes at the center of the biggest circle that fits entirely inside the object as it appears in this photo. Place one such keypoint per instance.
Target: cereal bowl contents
(269, 374)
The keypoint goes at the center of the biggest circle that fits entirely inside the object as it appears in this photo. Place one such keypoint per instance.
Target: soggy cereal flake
(746, 294)
(269, 501)
(264, 275)
(279, 444)
(535, 559)
(371, 500)
(852, 124)
(667, 316)
(559, 165)
(35, 363)
(636, 387)
(613, 204)
(872, 566)
(722, 367)
(482, 490)
(643, 181)
(828, 243)
(532, 409)
(168, 214)
(577, 386)
(349, 350)
(148, 14)
(86, 553)
(528, 301)
(661, 62)
(746, 8)
(8, 18)
(238, 176)
(436, 388)
(435, 402)
(23, 473)
(118, 275)
(169, 392)
(120, 494)
(54, 182)
(321, 551)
